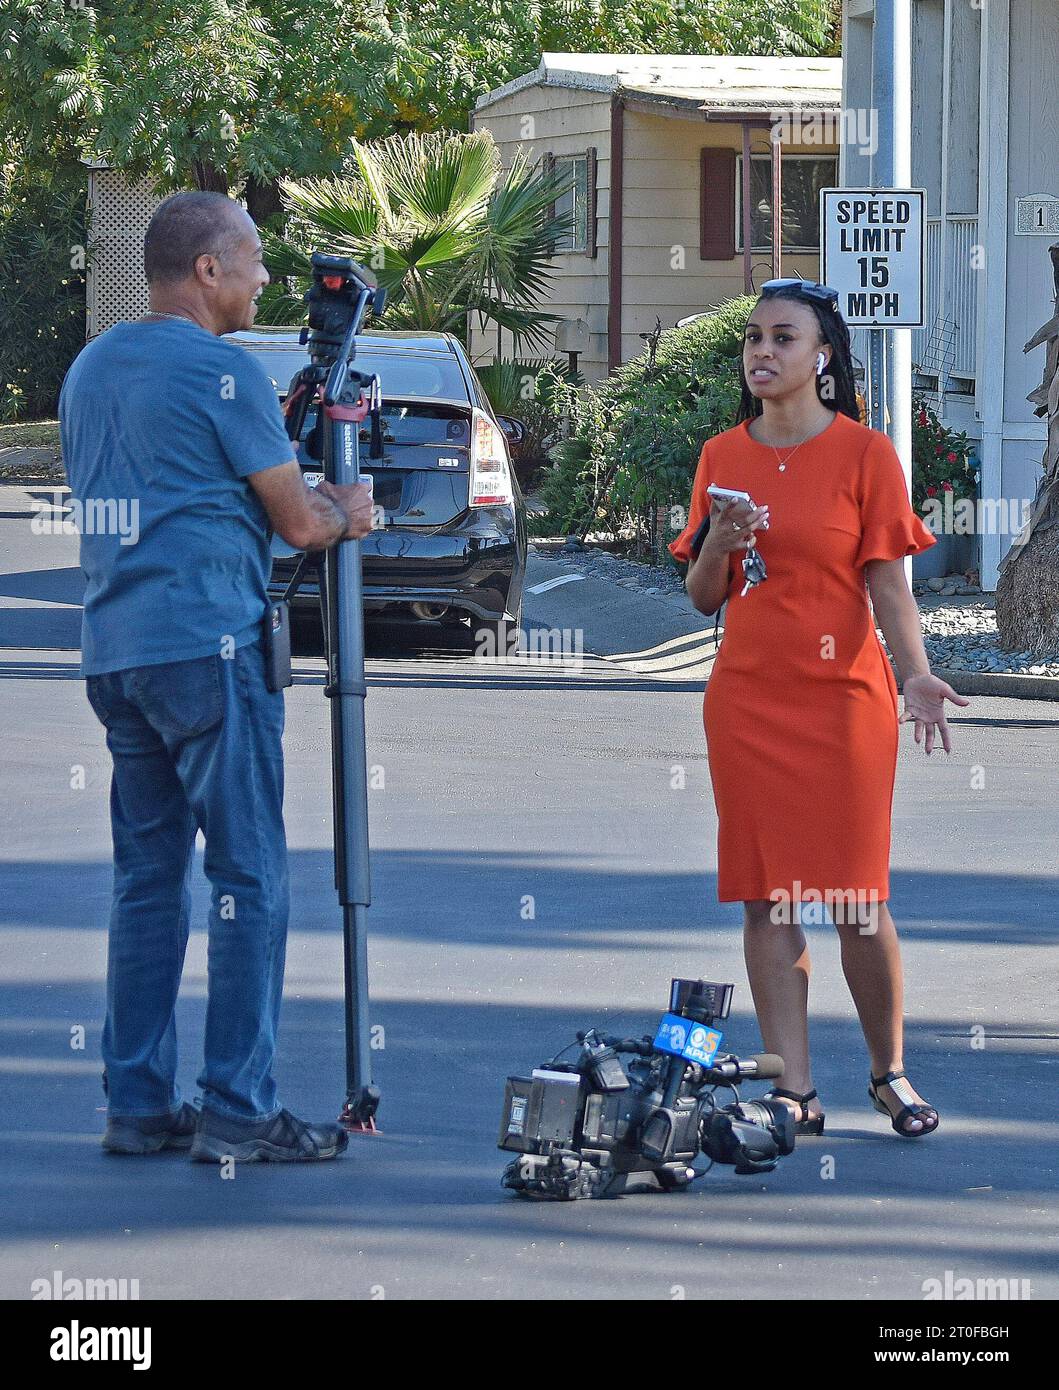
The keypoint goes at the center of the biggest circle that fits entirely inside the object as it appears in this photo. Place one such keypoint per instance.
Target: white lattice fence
(118, 214)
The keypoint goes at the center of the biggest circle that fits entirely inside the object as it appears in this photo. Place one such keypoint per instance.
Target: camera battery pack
(276, 629)
(539, 1110)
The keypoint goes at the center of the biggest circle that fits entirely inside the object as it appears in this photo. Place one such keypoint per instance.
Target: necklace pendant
(783, 468)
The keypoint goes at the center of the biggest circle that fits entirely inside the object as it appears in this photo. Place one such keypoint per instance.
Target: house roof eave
(627, 77)
(757, 115)
(544, 75)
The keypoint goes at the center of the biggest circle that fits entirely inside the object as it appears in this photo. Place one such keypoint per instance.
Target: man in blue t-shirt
(178, 434)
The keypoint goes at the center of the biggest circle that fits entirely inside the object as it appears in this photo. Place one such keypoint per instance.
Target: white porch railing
(945, 345)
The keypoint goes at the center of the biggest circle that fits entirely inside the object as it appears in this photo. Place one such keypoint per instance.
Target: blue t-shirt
(161, 424)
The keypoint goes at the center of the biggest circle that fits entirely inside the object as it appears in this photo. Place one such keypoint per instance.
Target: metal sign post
(876, 394)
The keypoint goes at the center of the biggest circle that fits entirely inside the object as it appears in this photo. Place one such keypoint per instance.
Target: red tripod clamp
(350, 413)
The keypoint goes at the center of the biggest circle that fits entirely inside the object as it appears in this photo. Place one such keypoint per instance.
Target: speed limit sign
(872, 253)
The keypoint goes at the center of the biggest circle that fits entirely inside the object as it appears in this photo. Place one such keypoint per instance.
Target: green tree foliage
(230, 94)
(206, 92)
(450, 52)
(150, 87)
(42, 309)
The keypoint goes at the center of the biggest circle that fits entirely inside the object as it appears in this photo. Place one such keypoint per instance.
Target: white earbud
(821, 363)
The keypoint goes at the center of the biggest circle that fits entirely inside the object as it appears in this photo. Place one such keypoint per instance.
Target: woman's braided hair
(836, 388)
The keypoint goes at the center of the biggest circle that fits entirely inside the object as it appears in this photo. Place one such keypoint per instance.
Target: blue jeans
(196, 745)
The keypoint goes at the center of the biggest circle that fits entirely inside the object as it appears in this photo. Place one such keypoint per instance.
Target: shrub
(635, 438)
(532, 392)
(42, 314)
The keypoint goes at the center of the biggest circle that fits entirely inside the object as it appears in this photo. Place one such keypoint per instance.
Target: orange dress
(801, 709)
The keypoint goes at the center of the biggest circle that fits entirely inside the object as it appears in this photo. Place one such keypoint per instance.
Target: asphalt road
(535, 870)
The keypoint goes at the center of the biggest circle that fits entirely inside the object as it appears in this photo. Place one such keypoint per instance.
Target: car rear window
(401, 374)
(404, 374)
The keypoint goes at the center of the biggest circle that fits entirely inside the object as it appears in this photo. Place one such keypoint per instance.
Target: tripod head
(339, 299)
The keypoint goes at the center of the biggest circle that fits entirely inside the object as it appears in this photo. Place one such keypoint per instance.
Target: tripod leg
(347, 689)
(359, 1110)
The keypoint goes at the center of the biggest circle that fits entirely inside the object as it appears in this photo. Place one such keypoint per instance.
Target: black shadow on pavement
(430, 1182)
(475, 897)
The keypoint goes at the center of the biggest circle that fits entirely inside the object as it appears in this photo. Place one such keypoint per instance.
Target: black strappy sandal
(812, 1125)
(926, 1114)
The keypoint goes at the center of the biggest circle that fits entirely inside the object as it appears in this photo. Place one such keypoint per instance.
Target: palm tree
(444, 228)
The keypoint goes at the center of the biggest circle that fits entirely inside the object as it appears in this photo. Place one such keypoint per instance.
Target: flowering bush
(942, 460)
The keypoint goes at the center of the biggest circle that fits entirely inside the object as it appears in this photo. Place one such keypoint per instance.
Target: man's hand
(311, 518)
(355, 501)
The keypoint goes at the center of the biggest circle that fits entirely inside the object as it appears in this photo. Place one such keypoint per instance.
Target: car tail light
(490, 469)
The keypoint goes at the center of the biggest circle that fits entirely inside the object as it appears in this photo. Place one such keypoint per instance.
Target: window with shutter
(717, 199)
(592, 246)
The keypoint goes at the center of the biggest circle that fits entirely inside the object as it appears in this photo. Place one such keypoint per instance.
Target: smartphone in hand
(724, 495)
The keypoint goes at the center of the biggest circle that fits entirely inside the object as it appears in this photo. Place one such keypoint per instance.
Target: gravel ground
(34, 465)
(959, 631)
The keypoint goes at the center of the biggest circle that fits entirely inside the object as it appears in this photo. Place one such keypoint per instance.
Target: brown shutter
(591, 180)
(717, 205)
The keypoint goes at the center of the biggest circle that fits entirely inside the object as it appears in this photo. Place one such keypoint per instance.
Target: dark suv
(453, 542)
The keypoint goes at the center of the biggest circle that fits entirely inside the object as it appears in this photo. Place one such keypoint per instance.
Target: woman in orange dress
(801, 708)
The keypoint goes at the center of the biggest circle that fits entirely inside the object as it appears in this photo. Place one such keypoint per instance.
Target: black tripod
(339, 301)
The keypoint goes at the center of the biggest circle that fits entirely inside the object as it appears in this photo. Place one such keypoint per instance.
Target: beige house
(672, 168)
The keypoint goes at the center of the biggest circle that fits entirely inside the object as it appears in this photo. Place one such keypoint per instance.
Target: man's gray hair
(186, 226)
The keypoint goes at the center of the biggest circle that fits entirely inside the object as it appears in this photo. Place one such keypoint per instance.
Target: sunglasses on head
(802, 289)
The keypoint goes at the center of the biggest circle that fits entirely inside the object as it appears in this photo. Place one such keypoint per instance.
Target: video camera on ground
(582, 1128)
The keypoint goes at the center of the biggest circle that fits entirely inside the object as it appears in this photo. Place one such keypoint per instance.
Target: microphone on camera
(763, 1066)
